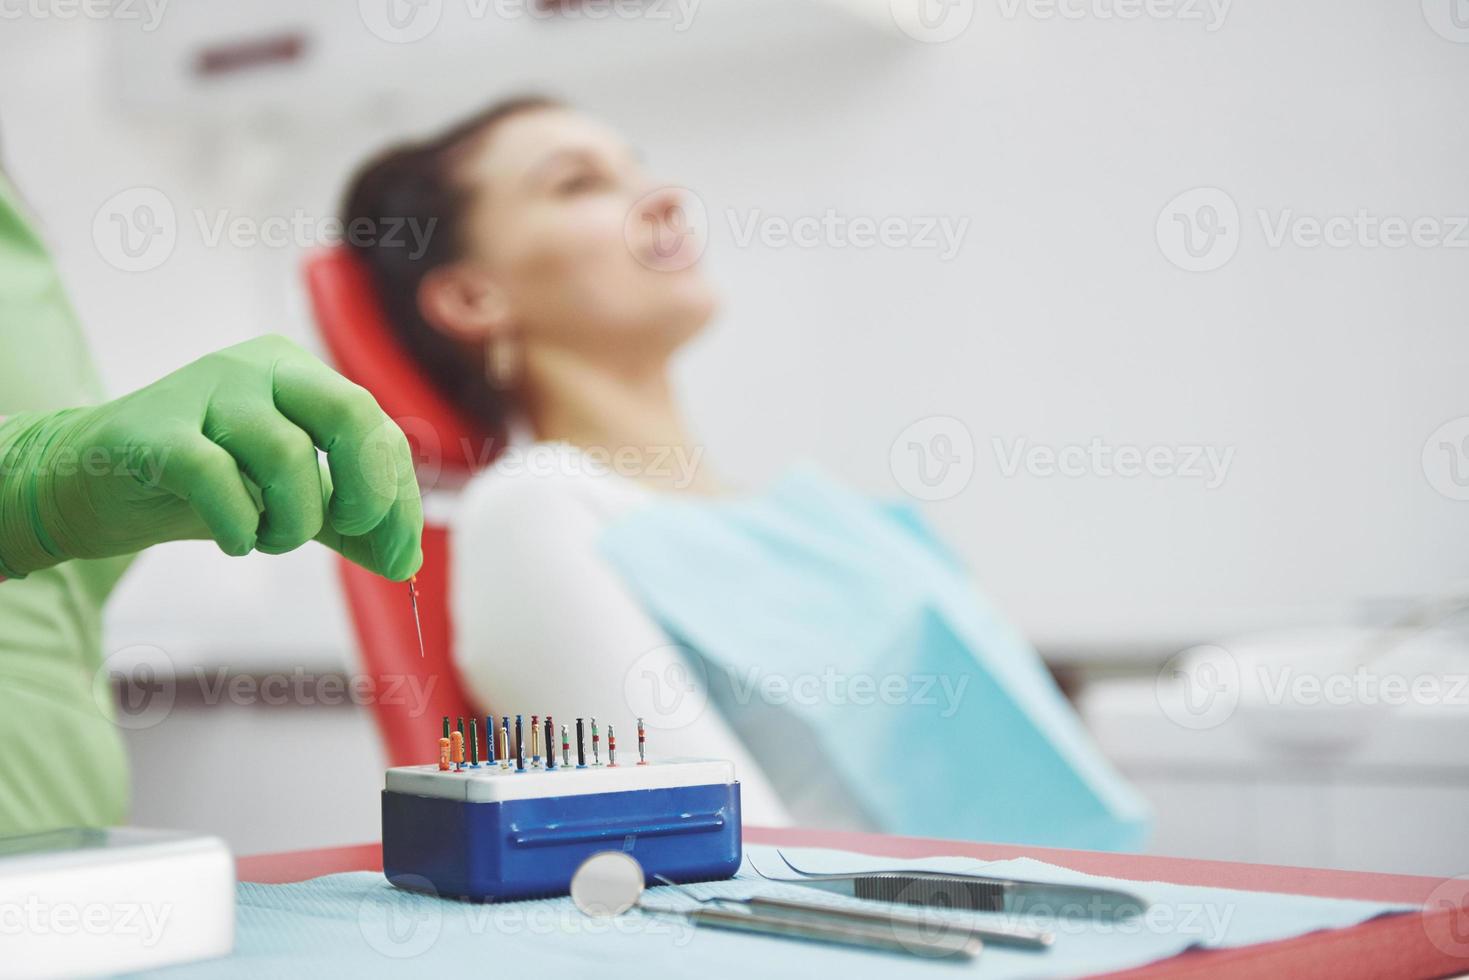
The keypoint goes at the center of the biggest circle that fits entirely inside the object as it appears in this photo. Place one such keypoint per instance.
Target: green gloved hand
(225, 448)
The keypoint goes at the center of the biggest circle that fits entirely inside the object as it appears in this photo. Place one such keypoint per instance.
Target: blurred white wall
(1059, 140)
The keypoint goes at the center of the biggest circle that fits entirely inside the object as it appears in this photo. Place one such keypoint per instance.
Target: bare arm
(543, 623)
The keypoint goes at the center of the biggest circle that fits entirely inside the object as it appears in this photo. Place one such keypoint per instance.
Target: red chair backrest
(410, 693)
(365, 349)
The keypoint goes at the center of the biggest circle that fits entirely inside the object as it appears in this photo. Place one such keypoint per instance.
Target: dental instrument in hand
(976, 893)
(417, 622)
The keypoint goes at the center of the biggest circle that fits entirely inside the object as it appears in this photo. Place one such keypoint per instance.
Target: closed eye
(580, 183)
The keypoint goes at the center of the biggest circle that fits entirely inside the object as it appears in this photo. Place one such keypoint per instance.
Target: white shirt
(544, 624)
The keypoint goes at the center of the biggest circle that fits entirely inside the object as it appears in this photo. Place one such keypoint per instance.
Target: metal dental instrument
(833, 930)
(897, 933)
(994, 935)
(976, 893)
(991, 934)
(417, 621)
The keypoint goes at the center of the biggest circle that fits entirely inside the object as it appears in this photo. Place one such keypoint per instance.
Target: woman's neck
(629, 418)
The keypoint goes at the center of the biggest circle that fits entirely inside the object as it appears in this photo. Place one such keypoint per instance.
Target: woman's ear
(464, 302)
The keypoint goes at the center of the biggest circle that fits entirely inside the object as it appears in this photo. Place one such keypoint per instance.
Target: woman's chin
(696, 316)
(684, 309)
(671, 328)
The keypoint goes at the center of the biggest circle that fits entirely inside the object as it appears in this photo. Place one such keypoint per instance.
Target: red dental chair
(447, 444)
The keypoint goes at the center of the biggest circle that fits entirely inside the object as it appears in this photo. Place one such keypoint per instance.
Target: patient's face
(590, 250)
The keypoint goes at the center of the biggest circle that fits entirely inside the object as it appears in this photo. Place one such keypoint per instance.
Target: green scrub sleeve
(61, 755)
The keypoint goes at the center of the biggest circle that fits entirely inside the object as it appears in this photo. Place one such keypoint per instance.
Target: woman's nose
(663, 205)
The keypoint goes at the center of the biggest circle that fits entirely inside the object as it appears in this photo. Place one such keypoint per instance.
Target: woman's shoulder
(545, 483)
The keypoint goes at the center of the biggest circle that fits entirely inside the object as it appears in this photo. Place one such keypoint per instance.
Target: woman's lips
(671, 249)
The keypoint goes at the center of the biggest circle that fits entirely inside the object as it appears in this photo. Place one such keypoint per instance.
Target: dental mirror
(608, 883)
(611, 882)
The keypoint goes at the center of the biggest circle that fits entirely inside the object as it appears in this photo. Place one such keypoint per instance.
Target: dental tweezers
(974, 893)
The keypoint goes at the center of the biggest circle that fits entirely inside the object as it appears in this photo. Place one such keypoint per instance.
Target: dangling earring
(502, 363)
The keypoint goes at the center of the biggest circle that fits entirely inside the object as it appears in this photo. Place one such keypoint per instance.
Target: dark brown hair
(415, 186)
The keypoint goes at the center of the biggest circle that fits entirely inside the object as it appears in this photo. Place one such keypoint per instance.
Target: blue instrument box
(488, 833)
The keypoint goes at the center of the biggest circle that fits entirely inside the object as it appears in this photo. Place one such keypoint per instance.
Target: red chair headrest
(367, 352)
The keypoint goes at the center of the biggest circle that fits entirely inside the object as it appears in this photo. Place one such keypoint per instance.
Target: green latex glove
(225, 448)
